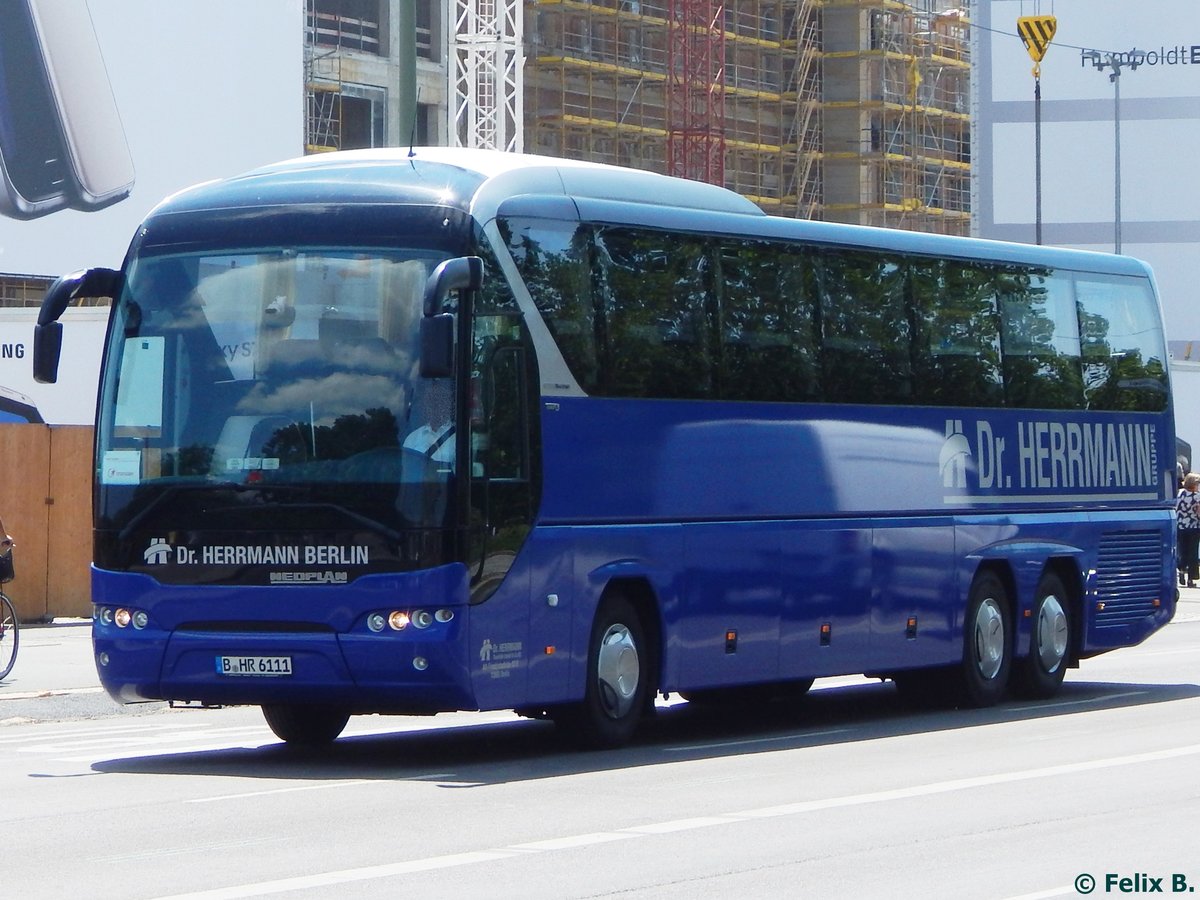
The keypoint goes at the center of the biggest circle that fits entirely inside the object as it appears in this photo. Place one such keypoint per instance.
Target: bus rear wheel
(987, 643)
(1040, 674)
(305, 725)
(618, 684)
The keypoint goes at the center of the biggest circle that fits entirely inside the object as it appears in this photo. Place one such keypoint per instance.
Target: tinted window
(553, 258)
(865, 352)
(1124, 360)
(644, 313)
(656, 340)
(956, 350)
(768, 345)
(1040, 340)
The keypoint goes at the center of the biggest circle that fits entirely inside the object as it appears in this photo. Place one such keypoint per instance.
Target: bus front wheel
(1040, 674)
(305, 725)
(987, 642)
(617, 679)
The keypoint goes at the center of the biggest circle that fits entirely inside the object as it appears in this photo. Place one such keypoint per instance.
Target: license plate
(261, 666)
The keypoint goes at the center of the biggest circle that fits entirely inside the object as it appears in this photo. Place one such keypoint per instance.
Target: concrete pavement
(52, 659)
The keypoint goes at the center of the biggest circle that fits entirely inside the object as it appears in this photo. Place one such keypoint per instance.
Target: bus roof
(472, 180)
(478, 182)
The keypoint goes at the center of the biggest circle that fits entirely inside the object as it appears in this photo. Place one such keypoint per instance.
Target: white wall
(205, 89)
(72, 400)
(1160, 131)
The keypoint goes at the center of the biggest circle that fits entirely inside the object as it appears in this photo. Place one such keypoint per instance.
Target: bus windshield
(275, 390)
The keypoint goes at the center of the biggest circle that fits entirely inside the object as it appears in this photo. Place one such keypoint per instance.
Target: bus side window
(656, 319)
(865, 332)
(956, 355)
(1124, 360)
(1040, 339)
(553, 260)
(767, 323)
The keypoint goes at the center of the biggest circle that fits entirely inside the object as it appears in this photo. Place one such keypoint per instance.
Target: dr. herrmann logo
(158, 552)
(953, 458)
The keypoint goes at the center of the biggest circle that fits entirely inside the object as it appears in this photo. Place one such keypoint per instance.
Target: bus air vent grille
(1129, 576)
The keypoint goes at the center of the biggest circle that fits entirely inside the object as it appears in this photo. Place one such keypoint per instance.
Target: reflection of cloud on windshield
(339, 394)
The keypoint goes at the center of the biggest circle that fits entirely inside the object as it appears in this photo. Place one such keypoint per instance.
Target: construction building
(844, 110)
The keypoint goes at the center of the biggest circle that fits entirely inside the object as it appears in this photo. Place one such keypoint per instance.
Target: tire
(304, 725)
(987, 643)
(1040, 674)
(10, 636)
(618, 680)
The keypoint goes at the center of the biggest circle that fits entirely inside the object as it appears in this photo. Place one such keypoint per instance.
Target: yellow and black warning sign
(1037, 32)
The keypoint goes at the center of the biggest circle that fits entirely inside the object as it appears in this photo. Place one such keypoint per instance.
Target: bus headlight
(398, 620)
(123, 617)
(422, 618)
(140, 619)
(376, 622)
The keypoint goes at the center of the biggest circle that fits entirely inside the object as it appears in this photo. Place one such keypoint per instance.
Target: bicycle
(10, 625)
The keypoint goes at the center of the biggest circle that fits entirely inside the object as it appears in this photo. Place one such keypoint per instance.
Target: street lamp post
(1116, 62)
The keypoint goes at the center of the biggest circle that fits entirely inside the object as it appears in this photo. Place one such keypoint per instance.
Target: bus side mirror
(437, 346)
(47, 348)
(47, 333)
(462, 274)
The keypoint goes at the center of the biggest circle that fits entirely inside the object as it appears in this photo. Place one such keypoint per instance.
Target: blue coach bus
(410, 432)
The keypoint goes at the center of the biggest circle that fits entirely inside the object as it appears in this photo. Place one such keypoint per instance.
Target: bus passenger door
(503, 467)
(502, 472)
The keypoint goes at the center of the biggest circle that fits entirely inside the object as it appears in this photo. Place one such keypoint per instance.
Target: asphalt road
(848, 794)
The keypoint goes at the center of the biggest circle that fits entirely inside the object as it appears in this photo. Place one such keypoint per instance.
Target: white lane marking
(959, 784)
(454, 860)
(287, 790)
(571, 842)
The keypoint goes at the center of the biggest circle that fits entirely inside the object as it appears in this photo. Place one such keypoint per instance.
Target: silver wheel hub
(1051, 634)
(617, 671)
(989, 639)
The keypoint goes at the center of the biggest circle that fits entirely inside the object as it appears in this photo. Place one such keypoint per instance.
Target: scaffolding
(322, 80)
(724, 92)
(897, 114)
(852, 110)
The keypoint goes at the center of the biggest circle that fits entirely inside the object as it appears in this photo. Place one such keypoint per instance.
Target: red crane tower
(696, 90)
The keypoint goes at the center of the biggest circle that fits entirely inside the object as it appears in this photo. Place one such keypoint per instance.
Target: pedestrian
(1187, 522)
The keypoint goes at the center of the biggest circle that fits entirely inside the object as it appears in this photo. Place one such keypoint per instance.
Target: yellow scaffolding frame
(853, 110)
